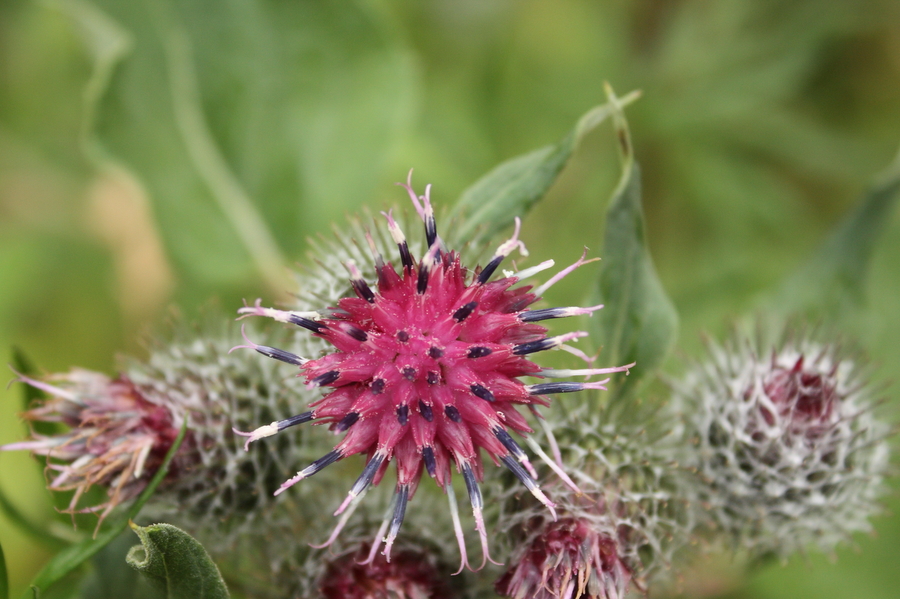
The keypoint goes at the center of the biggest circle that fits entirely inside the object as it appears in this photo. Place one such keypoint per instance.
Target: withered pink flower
(410, 574)
(425, 371)
(567, 559)
(117, 437)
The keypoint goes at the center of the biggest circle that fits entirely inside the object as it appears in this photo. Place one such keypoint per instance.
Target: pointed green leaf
(73, 556)
(639, 322)
(514, 186)
(176, 563)
(834, 279)
(23, 365)
(4, 578)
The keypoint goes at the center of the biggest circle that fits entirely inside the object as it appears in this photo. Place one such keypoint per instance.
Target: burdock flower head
(117, 438)
(425, 371)
(568, 559)
(413, 573)
(786, 445)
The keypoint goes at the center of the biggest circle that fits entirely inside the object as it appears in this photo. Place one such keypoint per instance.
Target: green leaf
(23, 365)
(75, 555)
(833, 280)
(176, 563)
(111, 577)
(4, 578)
(514, 186)
(639, 322)
(36, 531)
(248, 124)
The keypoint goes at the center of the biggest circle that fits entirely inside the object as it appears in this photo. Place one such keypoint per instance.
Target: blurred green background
(157, 154)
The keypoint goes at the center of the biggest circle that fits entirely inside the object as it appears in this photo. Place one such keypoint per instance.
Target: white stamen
(261, 433)
(457, 528)
(509, 245)
(345, 517)
(394, 229)
(553, 466)
(530, 272)
(142, 458)
(379, 536)
(280, 315)
(564, 373)
(562, 274)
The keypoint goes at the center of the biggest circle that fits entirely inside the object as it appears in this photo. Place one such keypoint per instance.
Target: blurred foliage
(167, 152)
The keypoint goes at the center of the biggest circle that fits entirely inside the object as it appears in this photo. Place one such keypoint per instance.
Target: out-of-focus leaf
(176, 563)
(248, 123)
(24, 366)
(834, 278)
(639, 322)
(73, 556)
(4, 578)
(29, 394)
(111, 576)
(35, 530)
(513, 187)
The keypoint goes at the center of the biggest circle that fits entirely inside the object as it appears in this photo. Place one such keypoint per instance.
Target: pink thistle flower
(117, 437)
(426, 372)
(567, 559)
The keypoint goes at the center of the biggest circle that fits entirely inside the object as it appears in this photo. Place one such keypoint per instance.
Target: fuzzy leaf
(73, 556)
(176, 563)
(513, 187)
(834, 279)
(639, 322)
(4, 578)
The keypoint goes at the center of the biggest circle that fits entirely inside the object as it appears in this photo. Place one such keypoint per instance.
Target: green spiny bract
(618, 532)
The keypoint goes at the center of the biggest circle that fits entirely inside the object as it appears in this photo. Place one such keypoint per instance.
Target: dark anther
(433, 378)
(479, 352)
(378, 386)
(346, 422)
(402, 336)
(452, 413)
(368, 473)
(280, 354)
(422, 283)
(402, 414)
(405, 256)
(508, 442)
(425, 410)
(482, 393)
(428, 458)
(485, 274)
(327, 378)
(362, 290)
(548, 388)
(294, 420)
(545, 314)
(464, 312)
(306, 323)
(435, 352)
(355, 332)
(326, 460)
(409, 373)
(535, 346)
